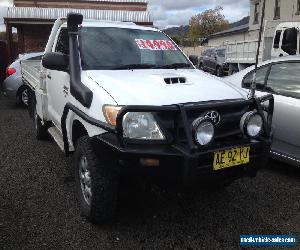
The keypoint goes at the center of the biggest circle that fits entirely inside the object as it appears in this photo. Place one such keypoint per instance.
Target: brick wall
(105, 5)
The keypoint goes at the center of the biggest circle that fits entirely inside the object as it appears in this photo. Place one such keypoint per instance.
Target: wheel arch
(78, 131)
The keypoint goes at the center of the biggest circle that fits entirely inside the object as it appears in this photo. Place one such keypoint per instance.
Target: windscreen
(221, 52)
(108, 48)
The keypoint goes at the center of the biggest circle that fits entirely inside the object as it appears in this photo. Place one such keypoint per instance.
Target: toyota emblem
(214, 116)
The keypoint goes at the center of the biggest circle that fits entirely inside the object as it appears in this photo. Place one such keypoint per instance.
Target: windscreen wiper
(134, 66)
(175, 66)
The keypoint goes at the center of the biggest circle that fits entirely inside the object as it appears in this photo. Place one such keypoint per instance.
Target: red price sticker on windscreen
(155, 44)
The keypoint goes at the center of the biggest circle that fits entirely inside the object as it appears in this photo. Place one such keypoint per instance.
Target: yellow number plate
(231, 158)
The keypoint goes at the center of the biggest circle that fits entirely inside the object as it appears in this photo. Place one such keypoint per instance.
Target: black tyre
(40, 129)
(219, 71)
(97, 183)
(201, 66)
(22, 96)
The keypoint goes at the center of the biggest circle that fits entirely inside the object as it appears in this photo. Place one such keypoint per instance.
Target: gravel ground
(38, 207)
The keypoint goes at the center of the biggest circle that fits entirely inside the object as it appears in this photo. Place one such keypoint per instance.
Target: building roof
(54, 13)
(238, 29)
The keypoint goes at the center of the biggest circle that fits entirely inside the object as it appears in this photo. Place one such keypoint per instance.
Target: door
(277, 44)
(206, 56)
(58, 83)
(211, 60)
(289, 44)
(283, 81)
(214, 59)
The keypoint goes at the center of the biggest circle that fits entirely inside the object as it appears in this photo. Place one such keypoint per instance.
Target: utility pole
(253, 84)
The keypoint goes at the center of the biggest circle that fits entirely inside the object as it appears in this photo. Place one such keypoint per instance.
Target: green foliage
(176, 39)
(207, 23)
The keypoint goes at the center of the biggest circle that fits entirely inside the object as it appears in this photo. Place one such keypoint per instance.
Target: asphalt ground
(39, 210)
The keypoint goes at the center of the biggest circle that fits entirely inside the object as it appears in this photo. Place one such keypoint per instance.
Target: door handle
(49, 76)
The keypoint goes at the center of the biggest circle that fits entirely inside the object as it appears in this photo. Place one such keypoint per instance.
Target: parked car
(124, 98)
(13, 84)
(213, 61)
(280, 77)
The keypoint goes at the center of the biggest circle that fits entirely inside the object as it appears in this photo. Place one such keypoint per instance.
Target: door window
(284, 79)
(289, 41)
(207, 53)
(63, 42)
(277, 39)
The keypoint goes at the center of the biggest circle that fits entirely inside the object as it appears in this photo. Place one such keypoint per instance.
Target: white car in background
(280, 77)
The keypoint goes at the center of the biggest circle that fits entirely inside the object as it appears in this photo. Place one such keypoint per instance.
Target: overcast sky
(173, 13)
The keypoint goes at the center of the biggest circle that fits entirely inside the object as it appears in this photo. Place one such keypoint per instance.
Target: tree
(207, 23)
(176, 39)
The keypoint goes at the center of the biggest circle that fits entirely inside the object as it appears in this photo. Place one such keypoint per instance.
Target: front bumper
(176, 164)
(11, 87)
(181, 160)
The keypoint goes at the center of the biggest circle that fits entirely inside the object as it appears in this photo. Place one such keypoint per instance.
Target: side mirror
(194, 59)
(55, 61)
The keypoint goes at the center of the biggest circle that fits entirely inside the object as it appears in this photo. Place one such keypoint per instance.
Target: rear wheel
(97, 182)
(23, 96)
(40, 129)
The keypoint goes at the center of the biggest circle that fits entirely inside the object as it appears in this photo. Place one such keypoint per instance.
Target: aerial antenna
(253, 84)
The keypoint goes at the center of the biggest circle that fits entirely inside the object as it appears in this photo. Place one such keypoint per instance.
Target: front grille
(227, 131)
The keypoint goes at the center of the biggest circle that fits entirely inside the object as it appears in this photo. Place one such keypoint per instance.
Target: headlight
(142, 126)
(252, 124)
(204, 131)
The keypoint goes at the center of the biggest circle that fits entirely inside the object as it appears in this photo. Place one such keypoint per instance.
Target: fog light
(149, 162)
(252, 124)
(204, 131)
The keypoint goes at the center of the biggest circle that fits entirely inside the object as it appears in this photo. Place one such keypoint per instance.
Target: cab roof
(116, 24)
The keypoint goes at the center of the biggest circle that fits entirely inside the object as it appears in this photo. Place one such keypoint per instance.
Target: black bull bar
(257, 103)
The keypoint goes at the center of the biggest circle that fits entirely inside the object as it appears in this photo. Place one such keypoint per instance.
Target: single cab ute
(123, 98)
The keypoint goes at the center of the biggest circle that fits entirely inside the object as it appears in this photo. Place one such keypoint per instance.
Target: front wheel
(201, 67)
(97, 182)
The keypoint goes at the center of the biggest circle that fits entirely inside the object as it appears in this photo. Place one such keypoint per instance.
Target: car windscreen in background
(110, 48)
(221, 53)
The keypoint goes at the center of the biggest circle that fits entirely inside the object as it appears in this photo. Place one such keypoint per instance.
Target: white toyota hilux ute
(128, 103)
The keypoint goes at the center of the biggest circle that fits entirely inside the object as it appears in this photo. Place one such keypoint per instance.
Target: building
(276, 11)
(136, 5)
(33, 19)
(238, 33)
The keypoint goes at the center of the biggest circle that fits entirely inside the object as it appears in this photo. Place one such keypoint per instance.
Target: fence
(197, 51)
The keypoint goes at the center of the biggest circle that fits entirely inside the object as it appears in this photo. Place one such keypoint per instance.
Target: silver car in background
(213, 60)
(281, 77)
(13, 85)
